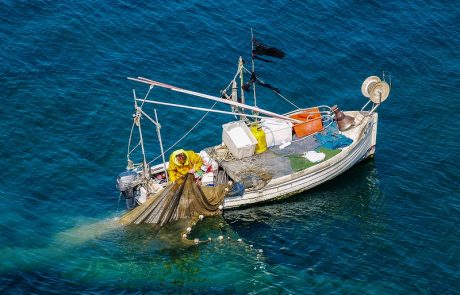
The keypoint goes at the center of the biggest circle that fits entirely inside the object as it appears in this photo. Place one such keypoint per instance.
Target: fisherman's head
(181, 158)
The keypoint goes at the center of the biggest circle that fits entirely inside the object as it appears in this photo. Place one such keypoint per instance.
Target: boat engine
(126, 184)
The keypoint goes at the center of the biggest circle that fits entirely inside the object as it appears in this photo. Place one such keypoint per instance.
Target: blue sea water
(387, 226)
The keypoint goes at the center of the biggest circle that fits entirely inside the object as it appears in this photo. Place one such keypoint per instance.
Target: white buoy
(284, 144)
(240, 240)
(221, 207)
(209, 239)
(221, 238)
(184, 236)
(201, 217)
(189, 229)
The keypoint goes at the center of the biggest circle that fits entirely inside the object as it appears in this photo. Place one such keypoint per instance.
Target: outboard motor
(126, 183)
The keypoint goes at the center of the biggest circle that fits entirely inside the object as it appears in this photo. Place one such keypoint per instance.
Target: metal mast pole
(253, 67)
(161, 144)
(137, 121)
(142, 146)
(240, 68)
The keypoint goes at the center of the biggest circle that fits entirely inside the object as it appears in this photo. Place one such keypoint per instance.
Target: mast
(241, 70)
(138, 123)
(142, 147)
(253, 67)
(161, 144)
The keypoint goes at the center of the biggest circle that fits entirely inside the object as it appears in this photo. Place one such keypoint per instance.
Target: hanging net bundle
(183, 199)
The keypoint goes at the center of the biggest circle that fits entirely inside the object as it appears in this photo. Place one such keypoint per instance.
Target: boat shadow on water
(352, 194)
(355, 192)
(349, 210)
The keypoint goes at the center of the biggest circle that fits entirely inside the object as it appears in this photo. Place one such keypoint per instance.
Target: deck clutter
(312, 122)
(284, 158)
(262, 156)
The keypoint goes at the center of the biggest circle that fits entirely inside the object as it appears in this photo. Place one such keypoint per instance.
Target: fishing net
(183, 199)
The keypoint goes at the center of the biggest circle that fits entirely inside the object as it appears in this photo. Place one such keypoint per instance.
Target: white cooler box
(276, 131)
(239, 139)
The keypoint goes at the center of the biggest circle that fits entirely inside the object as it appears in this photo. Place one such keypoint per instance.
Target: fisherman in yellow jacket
(182, 162)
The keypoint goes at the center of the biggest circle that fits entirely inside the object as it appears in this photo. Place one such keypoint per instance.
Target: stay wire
(185, 135)
(134, 122)
(287, 100)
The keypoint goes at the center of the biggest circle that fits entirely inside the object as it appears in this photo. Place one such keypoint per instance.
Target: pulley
(375, 89)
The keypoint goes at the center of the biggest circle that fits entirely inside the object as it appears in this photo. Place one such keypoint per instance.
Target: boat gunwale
(320, 166)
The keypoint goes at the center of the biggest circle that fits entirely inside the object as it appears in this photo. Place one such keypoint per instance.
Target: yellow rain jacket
(177, 170)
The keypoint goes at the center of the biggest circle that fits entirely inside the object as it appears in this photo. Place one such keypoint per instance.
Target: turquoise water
(389, 225)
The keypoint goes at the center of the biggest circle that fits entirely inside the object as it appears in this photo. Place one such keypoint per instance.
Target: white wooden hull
(363, 146)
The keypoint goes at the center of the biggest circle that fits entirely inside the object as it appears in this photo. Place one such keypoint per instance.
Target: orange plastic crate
(313, 123)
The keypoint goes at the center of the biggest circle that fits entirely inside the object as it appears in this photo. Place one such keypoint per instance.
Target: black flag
(260, 58)
(247, 86)
(261, 49)
(258, 82)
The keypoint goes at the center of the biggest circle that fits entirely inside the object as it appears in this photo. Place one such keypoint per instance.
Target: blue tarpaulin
(330, 138)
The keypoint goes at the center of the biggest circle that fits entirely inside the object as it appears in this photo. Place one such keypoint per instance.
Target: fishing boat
(268, 155)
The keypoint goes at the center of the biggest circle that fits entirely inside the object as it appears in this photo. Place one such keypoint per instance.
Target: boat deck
(256, 171)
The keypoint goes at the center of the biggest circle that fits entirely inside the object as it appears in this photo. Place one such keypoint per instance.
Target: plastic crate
(313, 122)
(276, 131)
(239, 139)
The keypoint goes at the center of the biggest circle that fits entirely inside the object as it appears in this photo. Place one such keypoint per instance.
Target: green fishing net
(298, 162)
(183, 199)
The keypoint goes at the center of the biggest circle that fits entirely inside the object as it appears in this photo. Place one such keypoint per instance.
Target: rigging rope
(187, 133)
(294, 105)
(129, 141)
(231, 81)
(135, 120)
(146, 95)
(199, 121)
(138, 144)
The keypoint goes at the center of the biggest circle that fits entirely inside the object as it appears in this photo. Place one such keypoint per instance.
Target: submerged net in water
(183, 199)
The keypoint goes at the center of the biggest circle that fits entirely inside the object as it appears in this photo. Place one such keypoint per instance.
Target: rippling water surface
(389, 225)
